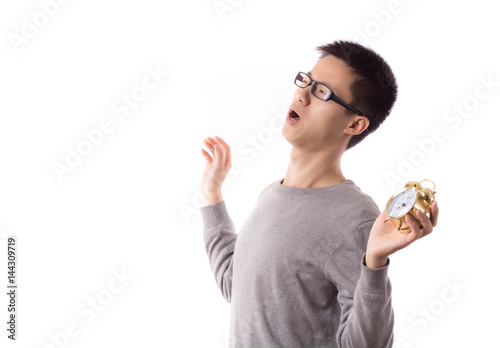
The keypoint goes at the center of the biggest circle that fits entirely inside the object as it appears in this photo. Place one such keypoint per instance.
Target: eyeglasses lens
(301, 80)
(317, 89)
(321, 91)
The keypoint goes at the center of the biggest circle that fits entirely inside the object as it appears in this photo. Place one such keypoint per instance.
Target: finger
(425, 222)
(218, 157)
(226, 149)
(221, 141)
(416, 232)
(434, 213)
(209, 142)
(207, 156)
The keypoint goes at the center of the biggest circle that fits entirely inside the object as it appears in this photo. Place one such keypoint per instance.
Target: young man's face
(321, 123)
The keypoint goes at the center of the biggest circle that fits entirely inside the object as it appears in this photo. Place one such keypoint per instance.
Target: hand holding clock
(385, 239)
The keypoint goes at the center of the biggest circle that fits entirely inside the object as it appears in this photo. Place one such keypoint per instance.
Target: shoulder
(359, 204)
(353, 214)
(266, 190)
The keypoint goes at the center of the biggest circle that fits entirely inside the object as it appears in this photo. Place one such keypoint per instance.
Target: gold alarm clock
(402, 203)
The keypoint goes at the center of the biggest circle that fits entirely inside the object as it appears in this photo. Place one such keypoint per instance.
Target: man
(309, 267)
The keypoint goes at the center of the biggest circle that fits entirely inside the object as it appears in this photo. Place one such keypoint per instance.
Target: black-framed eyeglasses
(321, 91)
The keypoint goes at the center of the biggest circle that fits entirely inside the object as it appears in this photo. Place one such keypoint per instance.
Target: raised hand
(216, 169)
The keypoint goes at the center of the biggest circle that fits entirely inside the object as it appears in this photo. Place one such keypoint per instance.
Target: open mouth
(293, 116)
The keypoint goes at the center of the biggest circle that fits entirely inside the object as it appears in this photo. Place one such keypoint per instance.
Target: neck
(313, 169)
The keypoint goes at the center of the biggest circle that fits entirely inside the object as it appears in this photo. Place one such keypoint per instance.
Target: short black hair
(374, 90)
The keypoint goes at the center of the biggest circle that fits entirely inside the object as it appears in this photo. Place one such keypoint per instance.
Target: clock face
(402, 203)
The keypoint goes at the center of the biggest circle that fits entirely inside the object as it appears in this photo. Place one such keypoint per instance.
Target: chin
(290, 138)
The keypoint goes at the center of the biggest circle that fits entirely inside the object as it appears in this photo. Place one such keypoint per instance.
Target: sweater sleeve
(364, 294)
(219, 239)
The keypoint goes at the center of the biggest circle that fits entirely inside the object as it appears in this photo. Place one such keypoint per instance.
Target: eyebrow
(310, 74)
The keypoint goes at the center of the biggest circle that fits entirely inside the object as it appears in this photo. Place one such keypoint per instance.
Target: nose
(303, 95)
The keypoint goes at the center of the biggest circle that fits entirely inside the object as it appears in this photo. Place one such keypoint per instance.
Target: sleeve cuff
(373, 279)
(214, 215)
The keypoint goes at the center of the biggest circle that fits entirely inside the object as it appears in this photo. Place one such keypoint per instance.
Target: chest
(289, 239)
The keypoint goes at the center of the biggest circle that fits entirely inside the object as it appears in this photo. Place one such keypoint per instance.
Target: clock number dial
(402, 203)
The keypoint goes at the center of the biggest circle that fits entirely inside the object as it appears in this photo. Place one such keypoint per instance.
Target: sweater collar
(300, 191)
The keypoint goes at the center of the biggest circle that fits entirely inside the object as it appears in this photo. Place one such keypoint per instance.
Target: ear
(357, 125)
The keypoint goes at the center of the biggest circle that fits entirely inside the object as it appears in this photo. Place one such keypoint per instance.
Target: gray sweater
(295, 273)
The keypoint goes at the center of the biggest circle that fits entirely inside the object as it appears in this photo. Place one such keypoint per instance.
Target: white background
(131, 205)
